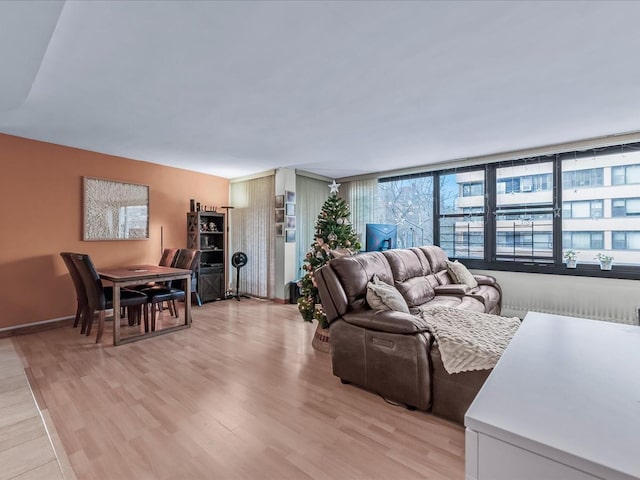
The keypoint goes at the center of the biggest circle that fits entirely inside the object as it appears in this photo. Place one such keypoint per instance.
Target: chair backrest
(188, 259)
(91, 281)
(169, 257)
(81, 293)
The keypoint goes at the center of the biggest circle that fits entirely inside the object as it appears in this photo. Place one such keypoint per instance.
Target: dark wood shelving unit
(206, 232)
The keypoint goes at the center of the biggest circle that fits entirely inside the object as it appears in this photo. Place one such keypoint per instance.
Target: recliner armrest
(452, 289)
(486, 280)
(386, 321)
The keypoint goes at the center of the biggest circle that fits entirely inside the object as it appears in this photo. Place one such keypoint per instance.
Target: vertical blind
(310, 195)
(252, 230)
(362, 197)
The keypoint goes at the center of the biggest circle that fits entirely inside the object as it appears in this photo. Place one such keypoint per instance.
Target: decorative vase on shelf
(572, 263)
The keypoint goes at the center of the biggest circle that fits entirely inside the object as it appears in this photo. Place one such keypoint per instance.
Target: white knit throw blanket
(468, 340)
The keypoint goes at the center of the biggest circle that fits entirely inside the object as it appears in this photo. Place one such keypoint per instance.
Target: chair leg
(131, 316)
(154, 306)
(78, 315)
(176, 312)
(146, 317)
(87, 316)
(90, 316)
(101, 316)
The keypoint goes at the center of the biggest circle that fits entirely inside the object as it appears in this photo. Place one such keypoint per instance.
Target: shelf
(219, 233)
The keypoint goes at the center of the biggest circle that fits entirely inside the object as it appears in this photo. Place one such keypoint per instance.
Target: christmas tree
(333, 232)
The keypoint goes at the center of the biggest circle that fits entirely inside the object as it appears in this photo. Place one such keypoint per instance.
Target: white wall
(607, 299)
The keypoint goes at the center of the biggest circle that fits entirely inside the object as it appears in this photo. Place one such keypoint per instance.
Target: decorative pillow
(382, 296)
(460, 274)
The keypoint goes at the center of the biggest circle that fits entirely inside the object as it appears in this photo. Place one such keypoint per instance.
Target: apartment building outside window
(461, 221)
(527, 212)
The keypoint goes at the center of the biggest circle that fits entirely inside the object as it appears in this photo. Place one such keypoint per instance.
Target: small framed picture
(279, 201)
(279, 229)
(291, 197)
(290, 209)
(291, 222)
(290, 236)
(279, 215)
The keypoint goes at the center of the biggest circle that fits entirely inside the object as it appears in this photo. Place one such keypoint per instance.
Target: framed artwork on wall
(291, 209)
(279, 218)
(290, 197)
(114, 210)
(279, 201)
(279, 229)
(290, 236)
(291, 222)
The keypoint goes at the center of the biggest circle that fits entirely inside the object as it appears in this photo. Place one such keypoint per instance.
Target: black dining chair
(188, 259)
(100, 299)
(168, 259)
(81, 293)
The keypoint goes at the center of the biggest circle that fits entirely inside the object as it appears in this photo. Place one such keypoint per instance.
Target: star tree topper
(334, 187)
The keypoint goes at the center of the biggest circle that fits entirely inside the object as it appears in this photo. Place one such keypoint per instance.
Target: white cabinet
(563, 403)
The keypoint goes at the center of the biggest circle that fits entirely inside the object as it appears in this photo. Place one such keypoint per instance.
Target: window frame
(555, 264)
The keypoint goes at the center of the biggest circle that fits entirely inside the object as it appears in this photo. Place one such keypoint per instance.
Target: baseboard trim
(36, 327)
(280, 300)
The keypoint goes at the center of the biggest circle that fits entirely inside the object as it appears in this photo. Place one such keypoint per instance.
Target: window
(625, 175)
(583, 209)
(583, 240)
(527, 183)
(461, 223)
(625, 207)
(408, 203)
(591, 177)
(472, 189)
(626, 240)
(524, 216)
(520, 215)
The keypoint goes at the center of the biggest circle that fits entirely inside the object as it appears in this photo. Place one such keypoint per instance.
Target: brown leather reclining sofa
(392, 353)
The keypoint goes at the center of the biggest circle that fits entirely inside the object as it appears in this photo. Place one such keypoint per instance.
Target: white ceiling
(335, 88)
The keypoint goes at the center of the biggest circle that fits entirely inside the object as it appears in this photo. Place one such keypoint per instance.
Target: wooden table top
(133, 272)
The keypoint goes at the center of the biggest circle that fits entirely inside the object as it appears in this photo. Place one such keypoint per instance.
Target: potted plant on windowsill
(571, 258)
(605, 261)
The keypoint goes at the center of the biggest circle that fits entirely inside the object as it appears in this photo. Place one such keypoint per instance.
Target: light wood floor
(25, 449)
(241, 395)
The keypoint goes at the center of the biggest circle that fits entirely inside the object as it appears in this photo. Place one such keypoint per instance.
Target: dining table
(140, 274)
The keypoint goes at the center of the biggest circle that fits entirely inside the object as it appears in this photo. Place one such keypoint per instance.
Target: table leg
(116, 314)
(187, 302)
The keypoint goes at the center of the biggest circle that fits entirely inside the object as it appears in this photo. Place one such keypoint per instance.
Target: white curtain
(310, 196)
(362, 197)
(252, 230)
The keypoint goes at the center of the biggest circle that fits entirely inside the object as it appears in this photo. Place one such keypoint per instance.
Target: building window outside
(583, 209)
(528, 183)
(583, 240)
(625, 175)
(591, 177)
(626, 240)
(625, 207)
(473, 189)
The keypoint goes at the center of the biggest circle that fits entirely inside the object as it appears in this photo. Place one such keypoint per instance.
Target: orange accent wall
(41, 216)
